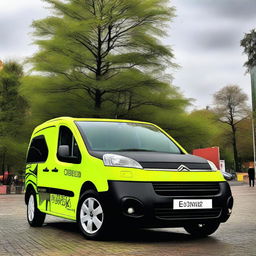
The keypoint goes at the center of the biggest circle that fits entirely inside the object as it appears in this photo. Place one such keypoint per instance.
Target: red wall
(212, 154)
(3, 190)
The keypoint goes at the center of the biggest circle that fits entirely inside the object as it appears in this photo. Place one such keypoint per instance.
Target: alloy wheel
(91, 215)
(31, 208)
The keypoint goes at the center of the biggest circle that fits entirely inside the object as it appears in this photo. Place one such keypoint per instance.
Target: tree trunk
(130, 102)
(235, 148)
(97, 100)
(117, 105)
(98, 94)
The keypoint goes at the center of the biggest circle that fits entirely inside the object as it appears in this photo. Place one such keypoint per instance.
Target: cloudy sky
(205, 37)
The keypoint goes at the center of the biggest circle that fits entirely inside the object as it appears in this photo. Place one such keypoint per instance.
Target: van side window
(67, 138)
(38, 150)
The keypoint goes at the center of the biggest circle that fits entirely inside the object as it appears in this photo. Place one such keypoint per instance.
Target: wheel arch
(30, 188)
(88, 185)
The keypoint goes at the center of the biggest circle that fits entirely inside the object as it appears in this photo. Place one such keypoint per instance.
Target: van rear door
(38, 170)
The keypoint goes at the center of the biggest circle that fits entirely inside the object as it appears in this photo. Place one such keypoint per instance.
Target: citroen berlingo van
(103, 173)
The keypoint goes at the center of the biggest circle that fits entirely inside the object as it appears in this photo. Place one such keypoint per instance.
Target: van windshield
(120, 136)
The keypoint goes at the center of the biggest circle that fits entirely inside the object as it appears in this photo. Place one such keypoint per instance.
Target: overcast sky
(205, 37)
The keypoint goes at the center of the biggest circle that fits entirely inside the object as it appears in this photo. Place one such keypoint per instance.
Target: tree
(231, 107)
(12, 111)
(105, 51)
(103, 58)
(249, 44)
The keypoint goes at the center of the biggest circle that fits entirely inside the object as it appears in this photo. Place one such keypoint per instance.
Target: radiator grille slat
(175, 165)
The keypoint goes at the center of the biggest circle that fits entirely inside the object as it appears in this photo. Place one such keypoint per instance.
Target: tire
(91, 217)
(202, 230)
(34, 216)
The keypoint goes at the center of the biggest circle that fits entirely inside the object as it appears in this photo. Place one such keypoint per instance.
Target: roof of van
(72, 119)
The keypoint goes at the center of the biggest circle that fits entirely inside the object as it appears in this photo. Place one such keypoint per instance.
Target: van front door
(66, 174)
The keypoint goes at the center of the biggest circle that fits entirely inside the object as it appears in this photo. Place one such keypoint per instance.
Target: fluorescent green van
(104, 173)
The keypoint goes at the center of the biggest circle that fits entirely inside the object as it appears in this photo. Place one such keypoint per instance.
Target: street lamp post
(253, 89)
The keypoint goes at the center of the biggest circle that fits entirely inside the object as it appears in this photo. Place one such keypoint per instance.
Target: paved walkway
(60, 237)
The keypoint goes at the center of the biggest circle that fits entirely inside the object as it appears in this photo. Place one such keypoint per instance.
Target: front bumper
(141, 203)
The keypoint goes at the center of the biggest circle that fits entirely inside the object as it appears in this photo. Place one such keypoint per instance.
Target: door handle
(55, 170)
(46, 170)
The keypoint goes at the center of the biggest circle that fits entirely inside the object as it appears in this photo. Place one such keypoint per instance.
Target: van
(103, 173)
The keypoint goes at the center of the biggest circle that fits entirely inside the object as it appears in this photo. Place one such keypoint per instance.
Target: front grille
(175, 165)
(186, 188)
(168, 213)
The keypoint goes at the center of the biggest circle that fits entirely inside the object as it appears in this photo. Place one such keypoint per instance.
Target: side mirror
(63, 151)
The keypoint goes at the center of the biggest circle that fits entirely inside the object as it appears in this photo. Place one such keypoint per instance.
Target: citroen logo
(182, 168)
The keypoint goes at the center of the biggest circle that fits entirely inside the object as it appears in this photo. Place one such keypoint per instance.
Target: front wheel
(91, 217)
(202, 230)
(34, 216)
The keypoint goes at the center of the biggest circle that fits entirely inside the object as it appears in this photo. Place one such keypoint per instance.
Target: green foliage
(244, 140)
(206, 129)
(104, 59)
(12, 114)
(108, 52)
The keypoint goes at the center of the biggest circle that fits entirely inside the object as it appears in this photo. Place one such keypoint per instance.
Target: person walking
(251, 174)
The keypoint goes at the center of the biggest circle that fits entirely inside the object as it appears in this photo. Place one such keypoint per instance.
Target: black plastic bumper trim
(151, 201)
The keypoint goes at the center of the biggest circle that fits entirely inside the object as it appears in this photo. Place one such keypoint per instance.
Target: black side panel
(56, 191)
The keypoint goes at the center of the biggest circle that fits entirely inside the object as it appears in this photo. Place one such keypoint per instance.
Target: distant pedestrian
(251, 174)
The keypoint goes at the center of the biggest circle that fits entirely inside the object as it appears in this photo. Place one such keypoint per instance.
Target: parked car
(104, 173)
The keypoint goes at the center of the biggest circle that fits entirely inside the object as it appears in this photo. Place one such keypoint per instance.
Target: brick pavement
(62, 237)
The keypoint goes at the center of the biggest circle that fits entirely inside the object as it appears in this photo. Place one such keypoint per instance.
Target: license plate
(179, 204)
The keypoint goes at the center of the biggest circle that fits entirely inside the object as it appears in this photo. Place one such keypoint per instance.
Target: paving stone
(62, 237)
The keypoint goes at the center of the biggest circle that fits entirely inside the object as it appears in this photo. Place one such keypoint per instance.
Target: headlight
(120, 161)
(212, 165)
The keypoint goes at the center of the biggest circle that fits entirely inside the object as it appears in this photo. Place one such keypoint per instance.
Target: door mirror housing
(64, 155)
(63, 151)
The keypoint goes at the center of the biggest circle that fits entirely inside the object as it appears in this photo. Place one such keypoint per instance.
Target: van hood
(159, 160)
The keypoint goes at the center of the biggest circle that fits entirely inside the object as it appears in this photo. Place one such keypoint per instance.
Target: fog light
(229, 211)
(132, 207)
(130, 210)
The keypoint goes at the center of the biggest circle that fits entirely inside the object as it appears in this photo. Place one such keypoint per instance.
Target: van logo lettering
(182, 168)
(72, 173)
